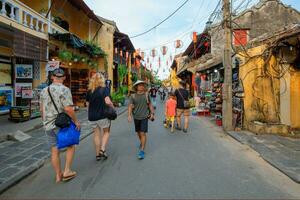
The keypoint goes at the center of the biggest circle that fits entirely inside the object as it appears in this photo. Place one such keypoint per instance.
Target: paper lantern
(143, 55)
(116, 50)
(194, 36)
(164, 50)
(178, 44)
(153, 53)
(159, 61)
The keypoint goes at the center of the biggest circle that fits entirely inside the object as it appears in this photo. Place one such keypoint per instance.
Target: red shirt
(171, 107)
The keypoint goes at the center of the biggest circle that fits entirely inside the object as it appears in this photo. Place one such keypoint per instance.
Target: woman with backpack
(97, 101)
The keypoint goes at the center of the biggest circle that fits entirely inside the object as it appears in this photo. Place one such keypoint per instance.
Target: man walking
(63, 98)
(141, 109)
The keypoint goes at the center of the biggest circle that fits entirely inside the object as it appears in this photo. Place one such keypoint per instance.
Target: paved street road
(205, 163)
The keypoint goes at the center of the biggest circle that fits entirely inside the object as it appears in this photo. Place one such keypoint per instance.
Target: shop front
(79, 60)
(22, 56)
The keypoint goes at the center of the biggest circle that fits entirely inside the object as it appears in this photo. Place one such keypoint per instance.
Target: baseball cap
(59, 72)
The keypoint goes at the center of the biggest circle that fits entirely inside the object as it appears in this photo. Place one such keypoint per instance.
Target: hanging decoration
(178, 44)
(194, 37)
(153, 53)
(159, 61)
(116, 50)
(167, 63)
(164, 50)
(143, 55)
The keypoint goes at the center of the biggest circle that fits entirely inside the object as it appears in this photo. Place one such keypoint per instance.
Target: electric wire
(168, 17)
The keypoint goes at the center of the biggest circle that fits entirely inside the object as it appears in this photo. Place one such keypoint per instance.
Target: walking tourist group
(62, 127)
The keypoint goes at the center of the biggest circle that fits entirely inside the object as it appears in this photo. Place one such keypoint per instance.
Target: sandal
(103, 155)
(69, 177)
(98, 157)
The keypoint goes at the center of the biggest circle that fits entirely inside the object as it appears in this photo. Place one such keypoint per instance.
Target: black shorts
(141, 125)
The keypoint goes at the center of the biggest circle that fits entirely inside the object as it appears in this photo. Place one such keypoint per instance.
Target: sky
(136, 16)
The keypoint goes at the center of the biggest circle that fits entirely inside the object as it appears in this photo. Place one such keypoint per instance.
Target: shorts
(51, 137)
(170, 119)
(101, 124)
(179, 112)
(141, 125)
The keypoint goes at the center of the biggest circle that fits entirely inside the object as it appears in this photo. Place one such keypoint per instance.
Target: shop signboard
(6, 100)
(27, 94)
(24, 71)
(5, 74)
(51, 65)
(22, 86)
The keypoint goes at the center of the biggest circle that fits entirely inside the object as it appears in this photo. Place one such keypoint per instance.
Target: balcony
(18, 15)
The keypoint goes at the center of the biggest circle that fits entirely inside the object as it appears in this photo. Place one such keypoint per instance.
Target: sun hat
(138, 82)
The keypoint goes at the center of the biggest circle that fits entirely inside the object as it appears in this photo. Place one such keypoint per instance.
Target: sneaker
(141, 155)
(184, 130)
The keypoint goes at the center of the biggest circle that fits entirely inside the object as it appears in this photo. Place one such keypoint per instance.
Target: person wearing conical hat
(140, 109)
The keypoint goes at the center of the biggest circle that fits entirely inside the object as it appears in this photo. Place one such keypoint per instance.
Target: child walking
(170, 111)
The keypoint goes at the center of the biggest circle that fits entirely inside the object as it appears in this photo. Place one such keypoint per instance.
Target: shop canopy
(76, 43)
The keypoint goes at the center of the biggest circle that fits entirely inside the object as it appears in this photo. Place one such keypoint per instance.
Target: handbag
(68, 136)
(110, 113)
(62, 120)
(186, 104)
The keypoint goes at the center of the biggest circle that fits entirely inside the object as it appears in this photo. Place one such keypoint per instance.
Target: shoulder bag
(186, 103)
(62, 120)
(109, 112)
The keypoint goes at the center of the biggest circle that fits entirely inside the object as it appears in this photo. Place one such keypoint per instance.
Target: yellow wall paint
(261, 102)
(295, 99)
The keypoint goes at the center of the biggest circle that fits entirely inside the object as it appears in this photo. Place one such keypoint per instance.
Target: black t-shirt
(97, 103)
(181, 95)
(153, 92)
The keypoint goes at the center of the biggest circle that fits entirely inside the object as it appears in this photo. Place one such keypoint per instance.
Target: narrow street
(205, 163)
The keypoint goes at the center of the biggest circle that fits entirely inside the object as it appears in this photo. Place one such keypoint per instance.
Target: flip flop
(69, 177)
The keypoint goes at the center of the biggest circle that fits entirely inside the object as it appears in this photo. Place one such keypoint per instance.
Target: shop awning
(121, 40)
(207, 64)
(76, 43)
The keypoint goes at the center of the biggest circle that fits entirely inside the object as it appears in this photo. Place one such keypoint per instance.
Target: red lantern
(195, 37)
(178, 44)
(164, 50)
(153, 53)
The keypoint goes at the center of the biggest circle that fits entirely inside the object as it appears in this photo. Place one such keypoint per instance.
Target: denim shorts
(51, 137)
(141, 125)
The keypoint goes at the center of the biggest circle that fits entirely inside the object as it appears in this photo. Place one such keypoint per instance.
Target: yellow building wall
(106, 42)
(295, 99)
(261, 102)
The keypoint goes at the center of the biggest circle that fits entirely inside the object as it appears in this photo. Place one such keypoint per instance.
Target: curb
(269, 161)
(37, 165)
